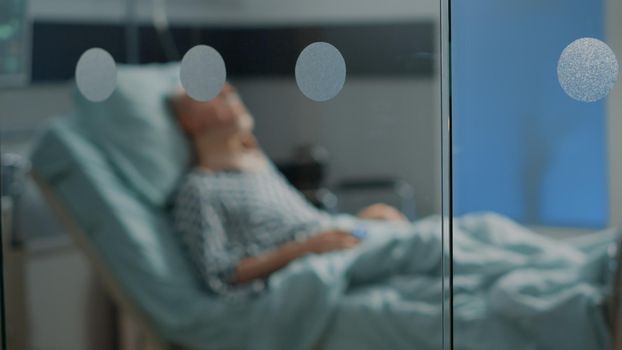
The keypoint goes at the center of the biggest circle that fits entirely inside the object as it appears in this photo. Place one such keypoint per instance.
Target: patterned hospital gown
(223, 217)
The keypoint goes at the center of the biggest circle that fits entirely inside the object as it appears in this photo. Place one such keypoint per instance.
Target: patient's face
(225, 113)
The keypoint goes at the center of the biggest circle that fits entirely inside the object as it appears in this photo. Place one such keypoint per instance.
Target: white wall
(373, 127)
(240, 12)
(614, 39)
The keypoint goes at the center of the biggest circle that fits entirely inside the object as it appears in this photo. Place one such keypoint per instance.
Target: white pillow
(136, 131)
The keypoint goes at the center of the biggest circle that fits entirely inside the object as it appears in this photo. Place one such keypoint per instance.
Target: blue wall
(522, 147)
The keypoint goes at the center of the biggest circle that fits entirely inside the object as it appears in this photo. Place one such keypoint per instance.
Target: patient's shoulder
(194, 189)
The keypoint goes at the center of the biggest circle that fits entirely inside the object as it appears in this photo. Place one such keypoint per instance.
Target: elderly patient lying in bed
(239, 218)
(241, 223)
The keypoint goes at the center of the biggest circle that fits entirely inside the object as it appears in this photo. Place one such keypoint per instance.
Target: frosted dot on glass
(202, 73)
(96, 74)
(587, 70)
(320, 71)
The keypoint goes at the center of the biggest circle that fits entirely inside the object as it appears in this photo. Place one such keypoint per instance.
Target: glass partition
(536, 174)
(230, 174)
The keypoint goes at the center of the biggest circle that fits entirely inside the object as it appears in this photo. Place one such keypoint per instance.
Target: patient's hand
(263, 265)
(329, 241)
(380, 211)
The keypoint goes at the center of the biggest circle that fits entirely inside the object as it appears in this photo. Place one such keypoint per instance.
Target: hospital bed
(136, 327)
(123, 231)
(142, 331)
(123, 228)
(118, 214)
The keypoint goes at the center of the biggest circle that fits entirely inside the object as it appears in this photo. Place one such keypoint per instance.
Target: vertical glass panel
(244, 174)
(536, 179)
(508, 94)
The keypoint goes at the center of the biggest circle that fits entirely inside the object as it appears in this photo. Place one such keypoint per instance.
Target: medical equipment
(15, 41)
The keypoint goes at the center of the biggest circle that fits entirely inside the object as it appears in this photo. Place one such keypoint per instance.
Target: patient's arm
(380, 211)
(263, 265)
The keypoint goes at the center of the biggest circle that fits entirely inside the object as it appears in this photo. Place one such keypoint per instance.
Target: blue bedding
(513, 289)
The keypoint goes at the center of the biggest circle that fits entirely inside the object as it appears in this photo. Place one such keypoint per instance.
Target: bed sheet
(514, 289)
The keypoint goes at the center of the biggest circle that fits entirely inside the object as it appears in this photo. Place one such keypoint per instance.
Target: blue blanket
(513, 290)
